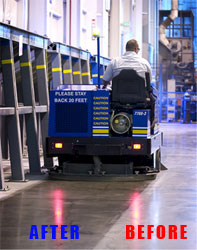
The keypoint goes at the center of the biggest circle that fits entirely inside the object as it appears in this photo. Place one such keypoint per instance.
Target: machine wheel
(158, 160)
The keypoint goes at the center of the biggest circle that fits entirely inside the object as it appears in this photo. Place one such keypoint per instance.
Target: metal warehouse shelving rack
(34, 103)
(69, 65)
(29, 68)
(94, 70)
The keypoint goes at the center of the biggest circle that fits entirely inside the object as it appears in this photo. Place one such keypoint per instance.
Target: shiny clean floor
(103, 209)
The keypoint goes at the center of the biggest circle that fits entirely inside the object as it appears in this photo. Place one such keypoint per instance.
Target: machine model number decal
(140, 113)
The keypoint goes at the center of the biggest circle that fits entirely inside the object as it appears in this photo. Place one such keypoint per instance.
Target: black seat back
(128, 88)
(148, 85)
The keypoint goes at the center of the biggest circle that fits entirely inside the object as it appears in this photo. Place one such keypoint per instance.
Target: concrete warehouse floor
(103, 209)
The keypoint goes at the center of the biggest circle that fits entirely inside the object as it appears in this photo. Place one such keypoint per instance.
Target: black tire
(158, 160)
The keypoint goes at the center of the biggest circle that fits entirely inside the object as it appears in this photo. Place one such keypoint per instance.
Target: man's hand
(105, 83)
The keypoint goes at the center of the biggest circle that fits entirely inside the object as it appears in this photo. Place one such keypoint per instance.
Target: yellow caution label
(76, 72)
(56, 69)
(7, 61)
(41, 66)
(100, 98)
(96, 75)
(100, 131)
(140, 131)
(85, 74)
(66, 71)
(25, 64)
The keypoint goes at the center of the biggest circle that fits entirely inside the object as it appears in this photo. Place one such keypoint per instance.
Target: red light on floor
(58, 213)
(58, 145)
(58, 206)
(137, 146)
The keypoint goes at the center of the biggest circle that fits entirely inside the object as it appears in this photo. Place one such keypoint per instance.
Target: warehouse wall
(8, 11)
(72, 22)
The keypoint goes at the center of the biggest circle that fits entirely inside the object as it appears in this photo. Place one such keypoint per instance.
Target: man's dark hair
(132, 45)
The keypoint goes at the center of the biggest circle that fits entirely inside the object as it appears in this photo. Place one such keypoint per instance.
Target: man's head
(132, 45)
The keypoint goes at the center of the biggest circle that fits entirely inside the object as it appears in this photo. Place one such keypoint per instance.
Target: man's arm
(105, 83)
(148, 67)
(149, 70)
(108, 75)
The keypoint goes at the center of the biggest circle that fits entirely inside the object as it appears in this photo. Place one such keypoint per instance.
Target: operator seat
(129, 90)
